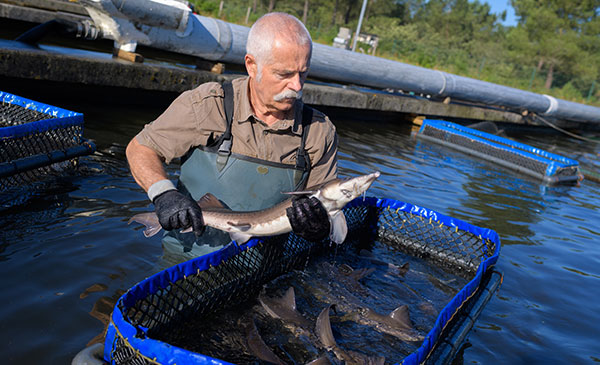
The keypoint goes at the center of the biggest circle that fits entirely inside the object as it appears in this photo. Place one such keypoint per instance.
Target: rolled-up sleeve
(187, 122)
(172, 134)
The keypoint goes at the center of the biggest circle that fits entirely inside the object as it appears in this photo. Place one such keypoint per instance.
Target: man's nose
(296, 83)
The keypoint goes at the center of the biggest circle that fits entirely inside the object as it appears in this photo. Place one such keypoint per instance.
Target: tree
(555, 31)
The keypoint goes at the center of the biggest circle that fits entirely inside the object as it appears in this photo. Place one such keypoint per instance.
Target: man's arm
(174, 210)
(145, 164)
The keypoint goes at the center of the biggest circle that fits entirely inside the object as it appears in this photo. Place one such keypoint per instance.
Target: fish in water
(325, 334)
(394, 269)
(334, 195)
(256, 344)
(355, 274)
(284, 308)
(342, 280)
(397, 323)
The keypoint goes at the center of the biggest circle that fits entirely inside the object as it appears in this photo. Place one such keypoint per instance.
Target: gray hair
(269, 27)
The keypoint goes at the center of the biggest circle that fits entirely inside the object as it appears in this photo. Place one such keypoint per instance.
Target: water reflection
(73, 234)
(43, 206)
(102, 311)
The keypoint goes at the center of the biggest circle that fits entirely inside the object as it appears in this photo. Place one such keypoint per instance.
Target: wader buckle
(223, 154)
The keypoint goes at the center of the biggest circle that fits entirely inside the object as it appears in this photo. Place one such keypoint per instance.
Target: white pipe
(216, 40)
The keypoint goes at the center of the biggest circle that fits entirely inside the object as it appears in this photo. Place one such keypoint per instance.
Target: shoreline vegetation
(554, 49)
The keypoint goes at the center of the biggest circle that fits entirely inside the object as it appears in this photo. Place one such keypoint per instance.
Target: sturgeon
(325, 334)
(241, 226)
(397, 323)
(284, 308)
(256, 344)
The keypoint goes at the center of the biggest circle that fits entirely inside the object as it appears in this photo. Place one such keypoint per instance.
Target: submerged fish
(394, 269)
(333, 283)
(334, 195)
(355, 274)
(397, 323)
(284, 308)
(325, 334)
(256, 344)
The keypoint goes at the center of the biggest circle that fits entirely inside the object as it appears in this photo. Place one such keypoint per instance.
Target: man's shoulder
(212, 89)
(320, 120)
(206, 90)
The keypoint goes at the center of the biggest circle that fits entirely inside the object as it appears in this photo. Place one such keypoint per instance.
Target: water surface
(68, 253)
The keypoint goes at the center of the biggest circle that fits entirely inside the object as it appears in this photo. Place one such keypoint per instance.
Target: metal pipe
(360, 19)
(217, 40)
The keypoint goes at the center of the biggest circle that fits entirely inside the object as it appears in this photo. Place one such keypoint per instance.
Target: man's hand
(308, 218)
(176, 211)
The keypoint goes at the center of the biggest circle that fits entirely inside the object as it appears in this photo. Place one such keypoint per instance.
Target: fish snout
(362, 183)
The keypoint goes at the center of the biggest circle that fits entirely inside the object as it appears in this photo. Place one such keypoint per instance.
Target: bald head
(275, 27)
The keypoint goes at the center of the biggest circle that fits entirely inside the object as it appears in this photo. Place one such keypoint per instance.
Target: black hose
(78, 29)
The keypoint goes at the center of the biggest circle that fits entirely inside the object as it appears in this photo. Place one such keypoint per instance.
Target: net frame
(141, 314)
(549, 167)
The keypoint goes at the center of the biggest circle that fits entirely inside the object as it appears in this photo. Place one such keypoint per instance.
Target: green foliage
(555, 43)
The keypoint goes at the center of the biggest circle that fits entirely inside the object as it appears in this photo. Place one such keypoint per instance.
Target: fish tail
(149, 220)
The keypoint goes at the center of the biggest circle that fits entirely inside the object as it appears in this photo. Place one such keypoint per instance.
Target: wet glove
(177, 211)
(308, 218)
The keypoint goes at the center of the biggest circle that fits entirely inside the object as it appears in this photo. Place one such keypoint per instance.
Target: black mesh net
(241, 277)
(13, 114)
(503, 154)
(37, 142)
(459, 252)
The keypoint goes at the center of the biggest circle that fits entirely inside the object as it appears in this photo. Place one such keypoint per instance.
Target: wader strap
(225, 146)
(302, 160)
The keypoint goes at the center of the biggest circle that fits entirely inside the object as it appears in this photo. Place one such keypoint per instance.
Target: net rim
(136, 336)
(553, 160)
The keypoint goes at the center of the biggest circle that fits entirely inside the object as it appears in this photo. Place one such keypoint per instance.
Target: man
(245, 142)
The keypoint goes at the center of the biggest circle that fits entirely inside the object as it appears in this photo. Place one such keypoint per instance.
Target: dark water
(357, 277)
(66, 254)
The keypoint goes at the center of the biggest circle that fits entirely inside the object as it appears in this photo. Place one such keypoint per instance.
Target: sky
(498, 6)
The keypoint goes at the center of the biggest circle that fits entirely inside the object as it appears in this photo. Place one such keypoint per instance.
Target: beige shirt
(197, 116)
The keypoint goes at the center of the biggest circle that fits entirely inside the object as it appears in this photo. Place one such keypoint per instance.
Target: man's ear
(251, 66)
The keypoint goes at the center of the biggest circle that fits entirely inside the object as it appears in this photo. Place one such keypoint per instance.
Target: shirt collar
(243, 111)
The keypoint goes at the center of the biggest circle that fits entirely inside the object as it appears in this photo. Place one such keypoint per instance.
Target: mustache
(288, 94)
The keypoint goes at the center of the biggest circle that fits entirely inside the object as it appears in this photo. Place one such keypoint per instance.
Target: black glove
(308, 218)
(176, 211)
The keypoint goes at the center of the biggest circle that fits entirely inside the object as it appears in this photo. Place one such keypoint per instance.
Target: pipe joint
(553, 105)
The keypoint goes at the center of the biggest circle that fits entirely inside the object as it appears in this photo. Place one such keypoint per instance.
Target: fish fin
(323, 360)
(241, 226)
(339, 227)
(257, 345)
(209, 201)
(361, 273)
(303, 192)
(151, 231)
(289, 298)
(239, 237)
(150, 220)
(323, 329)
(266, 304)
(401, 316)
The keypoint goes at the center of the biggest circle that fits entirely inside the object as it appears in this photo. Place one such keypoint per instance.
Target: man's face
(282, 75)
